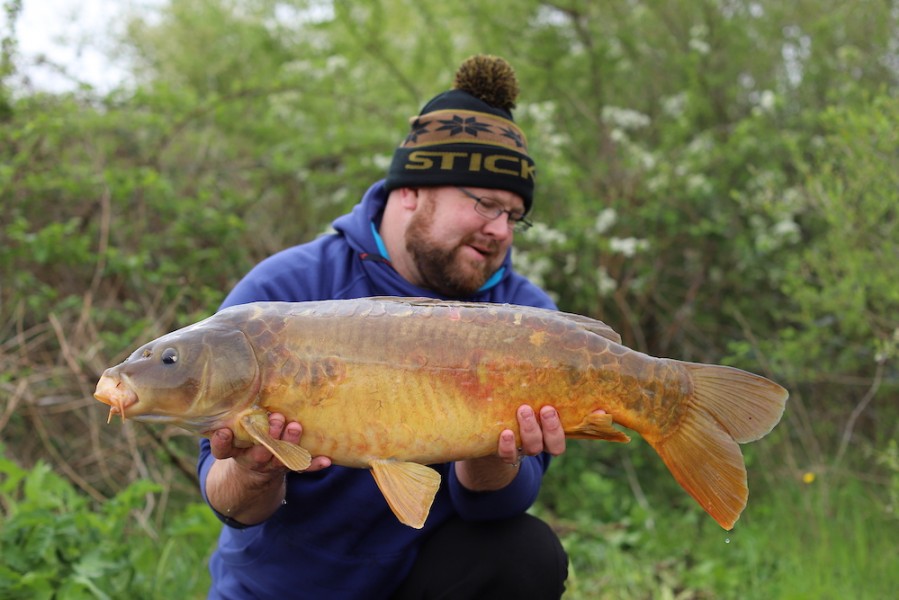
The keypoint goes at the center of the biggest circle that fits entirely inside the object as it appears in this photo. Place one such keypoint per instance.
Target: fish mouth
(117, 394)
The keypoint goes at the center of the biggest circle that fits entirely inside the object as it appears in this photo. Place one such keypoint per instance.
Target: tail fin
(728, 406)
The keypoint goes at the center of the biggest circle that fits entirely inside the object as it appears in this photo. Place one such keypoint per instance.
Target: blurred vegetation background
(718, 180)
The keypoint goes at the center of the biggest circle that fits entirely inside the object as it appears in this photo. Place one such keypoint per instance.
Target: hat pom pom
(490, 79)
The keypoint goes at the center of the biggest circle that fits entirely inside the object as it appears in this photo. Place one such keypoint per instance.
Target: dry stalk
(857, 411)
(61, 462)
(637, 489)
(14, 400)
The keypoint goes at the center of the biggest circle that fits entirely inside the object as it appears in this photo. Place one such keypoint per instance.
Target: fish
(394, 385)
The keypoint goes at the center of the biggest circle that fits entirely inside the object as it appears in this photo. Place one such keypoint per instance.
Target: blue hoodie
(335, 537)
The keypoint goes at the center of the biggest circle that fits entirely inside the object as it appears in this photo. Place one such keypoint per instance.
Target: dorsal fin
(594, 326)
(591, 325)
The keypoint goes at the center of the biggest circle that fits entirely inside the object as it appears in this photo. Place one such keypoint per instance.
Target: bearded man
(440, 225)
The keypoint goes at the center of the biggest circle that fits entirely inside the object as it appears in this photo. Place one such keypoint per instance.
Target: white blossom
(382, 161)
(766, 100)
(674, 106)
(544, 235)
(624, 118)
(605, 284)
(628, 246)
(605, 220)
(697, 183)
(786, 228)
(700, 46)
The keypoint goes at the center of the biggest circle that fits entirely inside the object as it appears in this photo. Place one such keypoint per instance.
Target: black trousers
(519, 558)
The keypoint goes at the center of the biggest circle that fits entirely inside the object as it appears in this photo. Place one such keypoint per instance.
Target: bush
(55, 543)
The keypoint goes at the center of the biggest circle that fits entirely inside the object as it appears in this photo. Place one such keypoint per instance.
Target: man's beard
(437, 266)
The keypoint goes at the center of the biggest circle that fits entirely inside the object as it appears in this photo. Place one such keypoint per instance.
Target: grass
(831, 537)
(819, 540)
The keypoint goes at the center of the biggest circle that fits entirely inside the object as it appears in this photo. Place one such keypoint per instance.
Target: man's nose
(500, 227)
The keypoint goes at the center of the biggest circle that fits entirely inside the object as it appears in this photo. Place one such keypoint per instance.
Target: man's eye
(169, 356)
(490, 205)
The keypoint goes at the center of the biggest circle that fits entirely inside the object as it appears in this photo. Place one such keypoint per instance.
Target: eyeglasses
(491, 209)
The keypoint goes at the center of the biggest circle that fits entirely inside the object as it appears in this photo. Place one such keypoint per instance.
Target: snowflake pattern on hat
(513, 135)
(458, 125)
(419, 127)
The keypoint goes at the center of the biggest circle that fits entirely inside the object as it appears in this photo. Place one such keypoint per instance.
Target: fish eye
(169, 356)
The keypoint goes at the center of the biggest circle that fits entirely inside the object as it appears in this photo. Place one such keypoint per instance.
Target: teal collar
(382, 249)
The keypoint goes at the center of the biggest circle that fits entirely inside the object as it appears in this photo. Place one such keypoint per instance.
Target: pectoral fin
(597, 426)
(294, 457)
(409, 489)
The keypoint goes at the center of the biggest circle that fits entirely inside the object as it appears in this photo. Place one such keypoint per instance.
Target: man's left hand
(538, 434)
(543, 434)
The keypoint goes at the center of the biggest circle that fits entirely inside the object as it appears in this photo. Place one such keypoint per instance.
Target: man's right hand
(258, 458)
(249, 484)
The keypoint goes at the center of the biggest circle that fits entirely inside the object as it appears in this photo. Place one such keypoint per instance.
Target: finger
(276, 423)
(292, 432)
(318, 463)
(220, 443)
(531, 435)
(553, 435)
(507, 450)
(258, 458)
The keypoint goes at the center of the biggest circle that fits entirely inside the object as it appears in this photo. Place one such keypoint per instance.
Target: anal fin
(408, 487)
(597, 426)
(294, 457)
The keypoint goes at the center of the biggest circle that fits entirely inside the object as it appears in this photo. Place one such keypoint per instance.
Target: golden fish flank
(392, 384)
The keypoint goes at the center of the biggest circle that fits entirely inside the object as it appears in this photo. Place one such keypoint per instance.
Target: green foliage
(798, 539)
(8, 42)
(56, 545)
(846, 277)
(717, 181)
(889, 458)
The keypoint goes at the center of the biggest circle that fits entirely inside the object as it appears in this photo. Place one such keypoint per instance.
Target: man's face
(455, 250)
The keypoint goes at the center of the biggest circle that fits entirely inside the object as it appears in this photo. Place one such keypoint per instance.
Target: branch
(858, 410)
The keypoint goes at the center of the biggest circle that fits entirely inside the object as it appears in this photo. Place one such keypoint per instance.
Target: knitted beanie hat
(466, 136)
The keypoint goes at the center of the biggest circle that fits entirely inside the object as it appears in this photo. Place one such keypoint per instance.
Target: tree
(688, 190)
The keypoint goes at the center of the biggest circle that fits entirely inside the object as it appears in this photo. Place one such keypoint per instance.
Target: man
(441, 225)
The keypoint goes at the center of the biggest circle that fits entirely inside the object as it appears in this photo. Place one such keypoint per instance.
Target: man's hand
(537, 435)
(543, 434)
(258, 458)
(249, 484)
